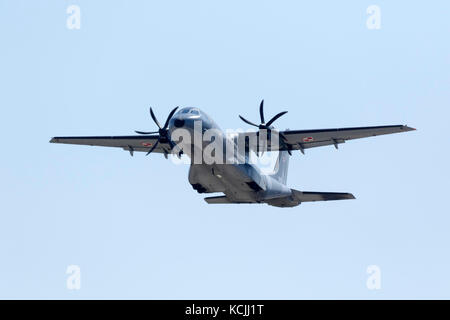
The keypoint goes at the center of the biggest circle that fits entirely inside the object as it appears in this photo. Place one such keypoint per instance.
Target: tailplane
(307, 196)
(223, 200)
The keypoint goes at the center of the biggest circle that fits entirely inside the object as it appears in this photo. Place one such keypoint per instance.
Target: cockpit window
(191, 111)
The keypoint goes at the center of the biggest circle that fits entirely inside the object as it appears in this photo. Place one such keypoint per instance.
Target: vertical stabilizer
(280, 170)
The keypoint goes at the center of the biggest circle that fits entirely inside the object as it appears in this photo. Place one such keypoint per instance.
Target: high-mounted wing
(305, 139)
(130, 143)
(145, 142)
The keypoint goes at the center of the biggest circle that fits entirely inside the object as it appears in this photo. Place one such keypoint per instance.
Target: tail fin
(280, 170)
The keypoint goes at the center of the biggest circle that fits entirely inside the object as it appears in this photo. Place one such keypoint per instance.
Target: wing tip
(407, 128)
(53, 140)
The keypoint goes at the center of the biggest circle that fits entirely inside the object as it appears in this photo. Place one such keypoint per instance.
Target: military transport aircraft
(236, 178)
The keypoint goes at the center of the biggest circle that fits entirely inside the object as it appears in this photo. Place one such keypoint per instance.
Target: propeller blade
(171, 144)
(249, 122)
(261, 111)
(169, 117)
(275, 118)
(143, 132)
(153, 148)
(154, 118)
(260, 148)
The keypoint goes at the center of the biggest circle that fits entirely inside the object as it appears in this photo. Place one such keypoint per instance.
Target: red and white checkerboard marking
(147, 144)
(308, 139)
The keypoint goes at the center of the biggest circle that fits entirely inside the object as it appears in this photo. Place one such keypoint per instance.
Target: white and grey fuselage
(239, 180)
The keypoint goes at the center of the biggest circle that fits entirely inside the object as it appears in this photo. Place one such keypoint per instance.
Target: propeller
(263, 125)
(163, 131)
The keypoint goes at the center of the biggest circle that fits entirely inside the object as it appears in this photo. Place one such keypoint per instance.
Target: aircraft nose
(178, 123)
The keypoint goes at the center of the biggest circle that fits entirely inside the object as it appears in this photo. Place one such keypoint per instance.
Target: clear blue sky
(135, 226)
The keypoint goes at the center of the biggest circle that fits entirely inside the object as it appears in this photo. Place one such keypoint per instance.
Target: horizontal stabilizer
(307, 196)
(222, 200)
(215, 200)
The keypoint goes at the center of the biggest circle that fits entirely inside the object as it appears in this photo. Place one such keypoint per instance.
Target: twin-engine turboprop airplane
(227, 168)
